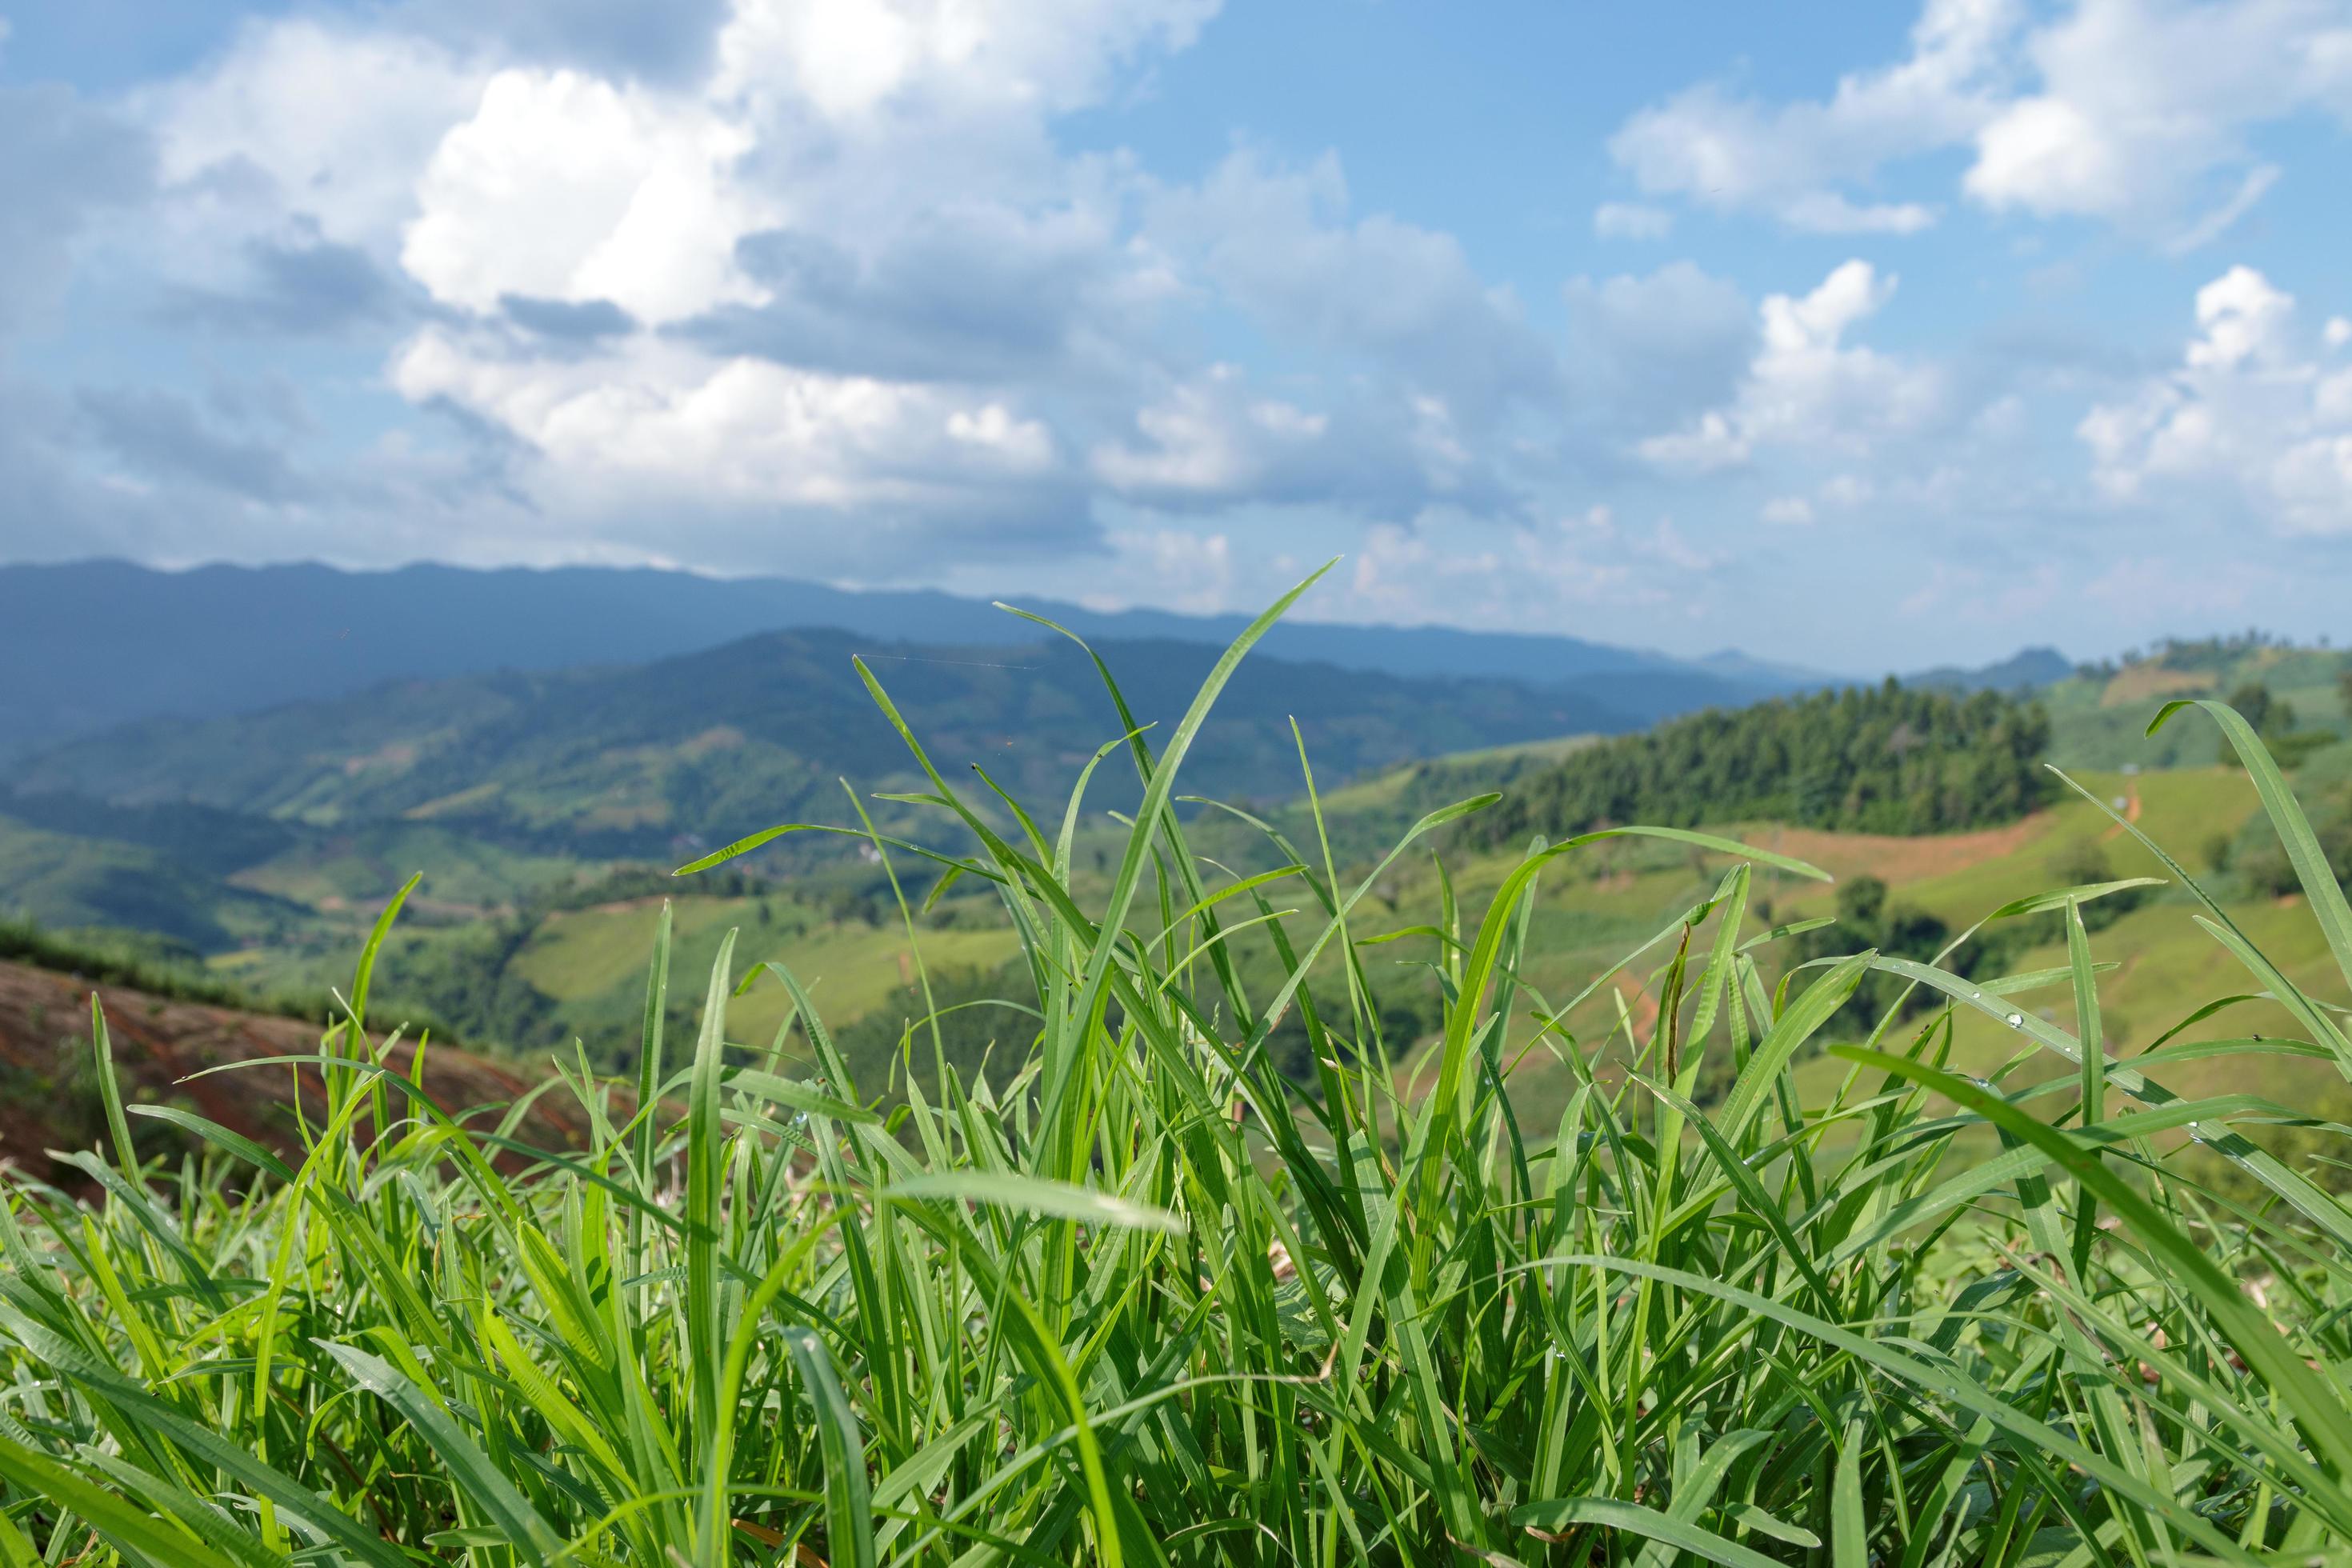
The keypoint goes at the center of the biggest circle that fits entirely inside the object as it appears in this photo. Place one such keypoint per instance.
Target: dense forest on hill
(1883, 759)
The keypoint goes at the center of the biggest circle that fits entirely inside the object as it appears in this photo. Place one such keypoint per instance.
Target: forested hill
(1884, 759)
(629, 762)
(116, 643)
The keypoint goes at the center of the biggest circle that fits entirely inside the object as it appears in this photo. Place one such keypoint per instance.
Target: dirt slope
(48, 1096)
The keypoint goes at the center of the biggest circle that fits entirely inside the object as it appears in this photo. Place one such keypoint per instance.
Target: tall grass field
(1126, 1294)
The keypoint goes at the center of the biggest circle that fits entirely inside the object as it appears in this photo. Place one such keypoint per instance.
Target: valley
(545, 811)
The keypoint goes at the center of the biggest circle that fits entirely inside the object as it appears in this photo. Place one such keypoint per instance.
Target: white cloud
(651, 421)
(1524, 573)
(1789, 160)
(2134, 112)
(2139, 103)
(1515, 575)
(1631, 220)
(1207, 437)
(846, 268)
(1283, 244)
(839, 268)
(2250, 410)
(1212, 440)
(1807, 387)
(1827, 212)
(300, 117)
(1788, 510)
(561, 186)
(1168, 569)
(1024, 58)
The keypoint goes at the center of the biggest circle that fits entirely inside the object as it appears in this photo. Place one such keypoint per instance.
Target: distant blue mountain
(90, 644)
(2024, 670)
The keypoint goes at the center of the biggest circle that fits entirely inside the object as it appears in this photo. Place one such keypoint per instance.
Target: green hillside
(1874, 759)
(298, 824)
(639, 760)
(2098, 715)
(68, 880)
(1604, 900)
(269, 839)
(1504, 1205)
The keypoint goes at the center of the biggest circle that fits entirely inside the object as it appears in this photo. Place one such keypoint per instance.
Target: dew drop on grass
(2017, 1020)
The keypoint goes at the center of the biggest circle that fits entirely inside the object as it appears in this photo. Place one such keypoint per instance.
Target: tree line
(1881, 759)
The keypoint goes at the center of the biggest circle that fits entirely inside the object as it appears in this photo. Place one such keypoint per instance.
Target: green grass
(2100, 720)
(1133, 1298)
(67, 880)
(584, 958)
(470, 875)
(135, 958)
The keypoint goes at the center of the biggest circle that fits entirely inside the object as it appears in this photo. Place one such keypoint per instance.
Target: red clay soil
(47, 1087)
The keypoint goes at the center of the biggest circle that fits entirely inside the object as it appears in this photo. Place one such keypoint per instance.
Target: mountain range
(633, 760)
(236, 827)
(92, 645)
(221, 756)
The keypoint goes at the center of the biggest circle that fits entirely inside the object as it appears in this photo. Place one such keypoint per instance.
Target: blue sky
(1850, 334)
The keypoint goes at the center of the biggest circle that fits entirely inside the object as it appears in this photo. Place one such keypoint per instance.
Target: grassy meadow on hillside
(1577, 1201)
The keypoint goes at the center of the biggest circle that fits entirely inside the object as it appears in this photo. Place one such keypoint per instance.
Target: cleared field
(589, 959)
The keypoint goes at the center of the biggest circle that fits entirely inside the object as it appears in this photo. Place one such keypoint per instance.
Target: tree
(2259, 709)
(1884, 759)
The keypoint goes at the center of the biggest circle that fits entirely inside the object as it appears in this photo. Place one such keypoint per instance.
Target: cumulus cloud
(671, 42)
(1206, 438)
(845, 291)
(567, 320)
(1735, 152)
(1541, 572)
(1807, 387)
(301, 117)
(1214, 439)
(2139, 103)
(792, 287)
(1653, 349)
(1283, 244)
(561, 186)
(1170, 569)
(648, 421)
(299, 285)
(2253, 409)
(1513, 575)
(829, 289)
(960, 58)
(967, 288)
(827, 264)
(2134, 112)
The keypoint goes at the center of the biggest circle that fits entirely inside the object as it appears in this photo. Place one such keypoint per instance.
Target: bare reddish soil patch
(1895, 858)
(159, 1042)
